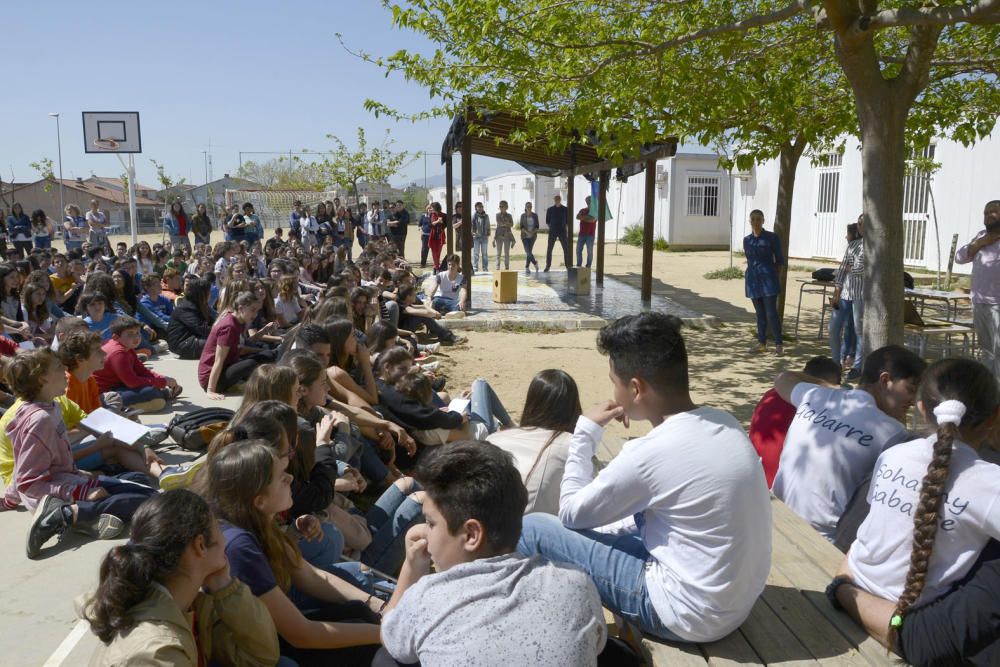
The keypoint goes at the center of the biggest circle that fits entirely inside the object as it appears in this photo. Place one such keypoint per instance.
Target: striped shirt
(850, 277)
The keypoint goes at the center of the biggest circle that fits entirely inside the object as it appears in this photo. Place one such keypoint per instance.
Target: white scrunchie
(949, 412)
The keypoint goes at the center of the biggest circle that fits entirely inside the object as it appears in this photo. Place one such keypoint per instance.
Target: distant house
(113, 201)
(117, 184)
(215, 192)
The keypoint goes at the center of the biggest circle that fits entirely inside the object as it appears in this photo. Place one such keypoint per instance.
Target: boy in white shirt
(837, 434)
(676, 530)
(486, 604)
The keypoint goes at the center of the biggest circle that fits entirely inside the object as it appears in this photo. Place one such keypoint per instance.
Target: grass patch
(729, 273)
(801, 267)
(633, 237)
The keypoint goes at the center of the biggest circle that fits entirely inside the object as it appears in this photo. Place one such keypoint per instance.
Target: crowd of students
(357, 510)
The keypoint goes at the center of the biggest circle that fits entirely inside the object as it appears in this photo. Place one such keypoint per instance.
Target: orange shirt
(85, 394)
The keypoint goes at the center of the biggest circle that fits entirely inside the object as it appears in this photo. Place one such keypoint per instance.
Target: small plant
(632, 236)
(729, 273)
(661, 244)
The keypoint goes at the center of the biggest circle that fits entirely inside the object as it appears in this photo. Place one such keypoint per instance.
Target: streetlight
(62, 205)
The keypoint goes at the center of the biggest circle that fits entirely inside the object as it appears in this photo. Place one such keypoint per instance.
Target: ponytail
(162, 529)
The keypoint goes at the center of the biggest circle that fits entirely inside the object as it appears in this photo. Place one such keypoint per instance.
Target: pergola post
(466, 219)
(647, 233)
(570, 218)
(602, 219)
(449, 200)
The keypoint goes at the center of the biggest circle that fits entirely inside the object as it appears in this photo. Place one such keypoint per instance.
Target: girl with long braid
(934, 503)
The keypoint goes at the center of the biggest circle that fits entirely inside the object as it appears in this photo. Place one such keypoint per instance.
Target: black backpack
(825, 275)
(194, 430)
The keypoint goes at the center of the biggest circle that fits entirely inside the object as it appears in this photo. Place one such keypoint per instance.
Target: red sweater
(768, 427)
(123, 368)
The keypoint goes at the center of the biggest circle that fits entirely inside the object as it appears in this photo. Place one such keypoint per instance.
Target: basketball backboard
(111, 132)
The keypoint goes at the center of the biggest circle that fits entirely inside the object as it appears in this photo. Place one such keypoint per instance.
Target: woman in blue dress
(764, 256)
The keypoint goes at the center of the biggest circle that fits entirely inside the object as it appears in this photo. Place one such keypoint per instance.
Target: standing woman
(41, 229)
(764, 256)
(437, 238)
(19, 228)
(529, 233)
(75, 226)
(176, 224)
(309, 228)
(97, 222)
(201, 225)
(504, 237)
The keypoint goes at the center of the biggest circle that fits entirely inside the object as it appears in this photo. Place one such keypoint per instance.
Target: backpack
(825, 275)
(194, 430)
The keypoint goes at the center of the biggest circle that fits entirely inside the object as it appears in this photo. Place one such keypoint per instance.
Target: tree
(348, 167)
(912, 67)
(285, 173)
(169, 192)
(44, 169)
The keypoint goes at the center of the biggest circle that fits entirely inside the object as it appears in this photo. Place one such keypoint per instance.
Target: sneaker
(430, 366)
(455, 315)
(853, 374)
(180, 476)
(154, 405)
(458, 340)
(779, 350)
(47, 522)
(160, 346)
(432, 348)
(758, 348)
(107, 527)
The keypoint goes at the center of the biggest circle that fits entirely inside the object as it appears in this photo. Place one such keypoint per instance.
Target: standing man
(984, 253)
(425, 235)
(588, 225)
(556, 220)
(398, 223)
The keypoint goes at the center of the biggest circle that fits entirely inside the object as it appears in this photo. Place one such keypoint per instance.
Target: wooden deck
(792, 622)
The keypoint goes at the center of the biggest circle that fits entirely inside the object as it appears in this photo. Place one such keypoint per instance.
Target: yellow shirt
(71, 413)
(62, 285)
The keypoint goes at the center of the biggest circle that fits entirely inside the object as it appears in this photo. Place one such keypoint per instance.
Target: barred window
(703, 196)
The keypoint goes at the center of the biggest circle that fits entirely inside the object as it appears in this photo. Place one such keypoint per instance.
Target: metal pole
(204, 155)
(425, 170)
(62, 204)
(133, 223)
(647, 234)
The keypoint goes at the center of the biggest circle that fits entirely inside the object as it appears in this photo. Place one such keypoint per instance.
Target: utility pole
(62, 204)
(204, 155)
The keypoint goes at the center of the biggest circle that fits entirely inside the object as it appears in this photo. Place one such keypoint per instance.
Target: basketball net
(273, 207)
(106, 144)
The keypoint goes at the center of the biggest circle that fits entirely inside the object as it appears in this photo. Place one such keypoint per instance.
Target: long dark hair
(553, 403)
(197, 292)
(162, 529)
(340, 331)
(972, 384)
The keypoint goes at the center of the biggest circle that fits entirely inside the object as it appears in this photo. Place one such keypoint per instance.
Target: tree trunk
(788, 162)
(883, 160)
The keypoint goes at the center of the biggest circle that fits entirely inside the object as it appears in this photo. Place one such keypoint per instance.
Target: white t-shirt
(541, 470)
(506, 610)
(830, 449)
(447, 287)
(288, 309)
(697, 489)
(970, 515)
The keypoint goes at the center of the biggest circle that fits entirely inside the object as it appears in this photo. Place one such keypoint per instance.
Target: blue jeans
(125, 493)
(324, 553)
(388, 520)
(133, 396)
(843, 340)
(766, 308)
(480, 247)
(444, 304)
(859, 318)
(581, 241)
(485, 405)
(529, 246)
(43, 242)
(615, 563)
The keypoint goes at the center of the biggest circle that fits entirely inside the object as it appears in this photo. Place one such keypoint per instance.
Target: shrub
(661, 244)
(729, 273)
(632, 236)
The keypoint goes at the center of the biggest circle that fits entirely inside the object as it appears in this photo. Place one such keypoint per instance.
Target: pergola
(492, 137)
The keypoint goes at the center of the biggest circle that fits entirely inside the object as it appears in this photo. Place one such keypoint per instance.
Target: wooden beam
(449, 201)
(602, 219)
(666, 150)
(467, 220)
(647, 233)
(570, 218)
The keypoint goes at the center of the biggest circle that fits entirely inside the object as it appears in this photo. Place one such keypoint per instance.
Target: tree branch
(983, 12)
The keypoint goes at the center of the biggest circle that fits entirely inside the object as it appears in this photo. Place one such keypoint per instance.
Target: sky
(242, 76)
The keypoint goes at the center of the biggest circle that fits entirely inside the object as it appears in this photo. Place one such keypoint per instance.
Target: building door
(825, 235)
(916, 211)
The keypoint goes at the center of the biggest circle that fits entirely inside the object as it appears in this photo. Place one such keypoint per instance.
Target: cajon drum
(579, 280)
(505, 286)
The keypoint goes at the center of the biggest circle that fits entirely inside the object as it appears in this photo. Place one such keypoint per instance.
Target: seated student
(837, 434)
(447, 292)
(772, 416)
(171, 284)
(154, 302)
(676, 530)
(94, 306)
(247, 488)
(191, 321)
(45, 477)
(167, 596)
(351, 378)
(67, 285)
(224, 360)
(484, 598)
(952, 510)
(124, 374)
(412, 414)
(415, 314)
(287, 304)
(540, 444)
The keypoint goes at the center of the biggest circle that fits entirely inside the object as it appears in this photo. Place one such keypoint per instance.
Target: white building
(692, 199)
(828, 198)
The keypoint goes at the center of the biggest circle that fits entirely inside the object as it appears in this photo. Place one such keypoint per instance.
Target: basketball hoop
(106, 144)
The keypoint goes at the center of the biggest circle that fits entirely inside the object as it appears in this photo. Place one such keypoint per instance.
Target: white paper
(102, 421)
(459, 405)
(26, 345)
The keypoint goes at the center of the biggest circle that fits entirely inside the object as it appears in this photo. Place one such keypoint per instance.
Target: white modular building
(828, 196)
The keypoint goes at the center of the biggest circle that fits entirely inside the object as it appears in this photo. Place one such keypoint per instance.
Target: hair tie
(949, 412)
(896, 621)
